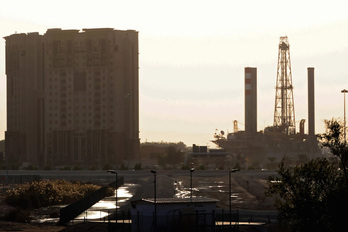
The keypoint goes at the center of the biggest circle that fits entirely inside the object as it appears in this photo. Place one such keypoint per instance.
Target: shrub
(137, 166)
(76, 167)
(48, 167)
(31, 167)
(123, 167)
(47, 192)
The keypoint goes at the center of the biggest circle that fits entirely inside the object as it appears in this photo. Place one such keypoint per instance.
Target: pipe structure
(311, 102)
(250, 104)
(155, 198)
(191, 170)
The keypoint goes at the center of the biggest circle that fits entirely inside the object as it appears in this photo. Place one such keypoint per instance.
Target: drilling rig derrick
(284, 111)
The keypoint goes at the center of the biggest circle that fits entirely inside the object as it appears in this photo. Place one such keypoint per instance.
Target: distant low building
(173, 214)
(209, 158)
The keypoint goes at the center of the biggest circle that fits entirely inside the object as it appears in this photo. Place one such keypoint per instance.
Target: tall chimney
(311, 103)
(250, 107)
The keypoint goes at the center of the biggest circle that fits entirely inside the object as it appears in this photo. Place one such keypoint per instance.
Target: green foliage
(123, 167)
(47, 192)
(333, 139)
(76, 167)
(313, 196)
(185, 167)
(31, 167)
(310, 197)
(172, 156)
(65, 168)
(137, 166)
(48, 167)
(201, 167)
(14, 166)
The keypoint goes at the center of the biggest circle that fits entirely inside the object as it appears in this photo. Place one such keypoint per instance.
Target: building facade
(72, 97)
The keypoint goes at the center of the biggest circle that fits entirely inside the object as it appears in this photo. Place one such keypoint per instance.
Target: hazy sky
(193, 54)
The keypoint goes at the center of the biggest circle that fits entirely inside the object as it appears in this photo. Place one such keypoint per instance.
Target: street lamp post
(229, 181)
(155, 198)
(116, 182)
(344, 91)
(191, 170)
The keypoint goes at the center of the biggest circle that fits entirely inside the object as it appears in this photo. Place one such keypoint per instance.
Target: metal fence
(219, 220)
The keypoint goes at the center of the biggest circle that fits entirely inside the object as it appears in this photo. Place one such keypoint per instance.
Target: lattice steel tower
(284, 111)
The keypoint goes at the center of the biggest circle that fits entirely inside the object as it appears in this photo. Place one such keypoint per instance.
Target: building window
(80, 81)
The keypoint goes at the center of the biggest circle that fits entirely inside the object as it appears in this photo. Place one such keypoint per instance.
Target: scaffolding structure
(284, 111)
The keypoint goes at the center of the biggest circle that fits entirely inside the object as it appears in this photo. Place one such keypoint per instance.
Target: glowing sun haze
(193, 54)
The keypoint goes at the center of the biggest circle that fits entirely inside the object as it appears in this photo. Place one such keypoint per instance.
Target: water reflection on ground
(206, 189)
(106, 206)
(99, 210)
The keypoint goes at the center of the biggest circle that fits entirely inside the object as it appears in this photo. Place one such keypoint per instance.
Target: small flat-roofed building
(209, 158)
(173, 213)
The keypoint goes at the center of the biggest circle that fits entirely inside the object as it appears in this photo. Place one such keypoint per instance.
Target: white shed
(172, 214)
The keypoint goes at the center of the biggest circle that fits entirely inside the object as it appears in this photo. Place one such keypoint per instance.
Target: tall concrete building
(72, 97)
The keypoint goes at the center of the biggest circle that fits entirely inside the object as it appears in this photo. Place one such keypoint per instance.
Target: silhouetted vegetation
(137, 166)
(31, 167)
(172, 157)
(65, 168)
(48, 192)
(123, 167)
(313, 196)
(334, 139)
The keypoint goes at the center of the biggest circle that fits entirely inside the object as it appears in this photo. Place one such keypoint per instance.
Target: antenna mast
(284, 111)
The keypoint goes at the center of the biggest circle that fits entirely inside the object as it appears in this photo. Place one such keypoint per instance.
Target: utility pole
(344, 91)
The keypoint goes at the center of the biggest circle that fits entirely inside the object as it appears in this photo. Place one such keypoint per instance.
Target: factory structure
(72, 97)
(252, 148)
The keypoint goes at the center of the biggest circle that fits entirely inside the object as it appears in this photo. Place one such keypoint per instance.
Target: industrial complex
(252, 148)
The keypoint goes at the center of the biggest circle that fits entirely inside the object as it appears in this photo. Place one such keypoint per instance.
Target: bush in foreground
(48, 192)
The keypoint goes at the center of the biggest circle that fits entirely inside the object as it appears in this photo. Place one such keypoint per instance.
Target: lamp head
(153, 171)
(192, 170)
(234, 170)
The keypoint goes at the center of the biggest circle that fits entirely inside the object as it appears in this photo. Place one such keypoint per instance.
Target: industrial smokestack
(250, 107)
(311, 112)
